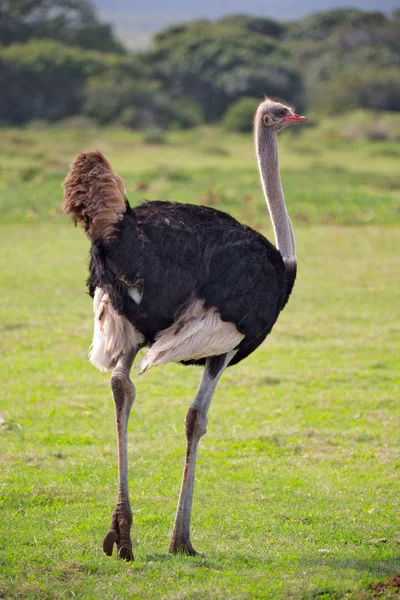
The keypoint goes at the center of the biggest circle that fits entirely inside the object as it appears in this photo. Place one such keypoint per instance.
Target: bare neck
(268, 164)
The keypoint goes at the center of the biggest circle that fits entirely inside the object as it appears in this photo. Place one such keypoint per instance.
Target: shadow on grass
(215, 561)
(269, 381)
(378, 567)
(197, 562)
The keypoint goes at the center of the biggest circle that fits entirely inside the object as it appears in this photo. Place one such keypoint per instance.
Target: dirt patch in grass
(393, 585)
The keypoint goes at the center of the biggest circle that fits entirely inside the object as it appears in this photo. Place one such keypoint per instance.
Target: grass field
(297, 492)
(327, 179)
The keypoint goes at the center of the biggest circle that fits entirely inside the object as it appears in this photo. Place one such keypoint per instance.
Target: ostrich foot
(183, 547)
(119, 534)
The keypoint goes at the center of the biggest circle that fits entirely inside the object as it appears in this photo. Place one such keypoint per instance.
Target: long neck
(268, 164)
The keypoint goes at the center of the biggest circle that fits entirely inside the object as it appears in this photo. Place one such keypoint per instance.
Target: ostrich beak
(293, 118)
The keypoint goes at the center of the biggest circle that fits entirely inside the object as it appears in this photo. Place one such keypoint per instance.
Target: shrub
(154, 137)
(77, 123)
(239, 116)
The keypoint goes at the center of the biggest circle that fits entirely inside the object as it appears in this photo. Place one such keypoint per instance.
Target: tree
(321, 26)
(370, 88)
(138, 103)
(44, 79)
(256, 24)
(349, 58)
(73, 22)
(214, 64)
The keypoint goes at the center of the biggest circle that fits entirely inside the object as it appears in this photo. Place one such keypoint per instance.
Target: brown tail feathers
(94, 195)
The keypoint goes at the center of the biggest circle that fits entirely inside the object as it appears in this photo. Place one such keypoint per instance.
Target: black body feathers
(172, 253)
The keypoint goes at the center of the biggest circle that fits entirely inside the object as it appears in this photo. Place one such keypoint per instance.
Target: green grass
(298, 475)
(327, 179)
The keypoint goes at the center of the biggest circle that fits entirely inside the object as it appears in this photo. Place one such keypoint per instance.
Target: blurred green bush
(239, 116)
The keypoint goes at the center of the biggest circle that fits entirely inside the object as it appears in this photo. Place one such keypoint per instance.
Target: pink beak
(293, 118)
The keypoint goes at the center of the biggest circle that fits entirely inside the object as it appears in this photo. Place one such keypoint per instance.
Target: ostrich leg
(195, 428)
(124, 395)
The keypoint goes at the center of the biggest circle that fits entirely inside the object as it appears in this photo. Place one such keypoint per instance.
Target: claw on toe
(109, 541)
(184, 548)
(124, 552)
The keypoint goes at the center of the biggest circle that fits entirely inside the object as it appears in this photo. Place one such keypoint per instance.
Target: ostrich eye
(283, 112)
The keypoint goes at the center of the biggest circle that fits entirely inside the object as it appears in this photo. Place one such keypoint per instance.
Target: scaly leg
(195, 427)
(124, 396)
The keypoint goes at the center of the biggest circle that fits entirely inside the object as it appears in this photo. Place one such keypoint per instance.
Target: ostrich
(190, 283)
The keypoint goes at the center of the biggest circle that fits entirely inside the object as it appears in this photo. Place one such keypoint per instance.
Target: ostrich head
(274, 115)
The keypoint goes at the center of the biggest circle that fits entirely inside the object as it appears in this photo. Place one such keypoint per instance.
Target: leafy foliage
(137, 103)
(255, 24)
(73, 22)
(44, 79)
(322, 26)
(369, 88)
(351, 58)
(217, 63)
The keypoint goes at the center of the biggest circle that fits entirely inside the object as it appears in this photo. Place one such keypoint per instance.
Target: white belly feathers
(197, 333)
